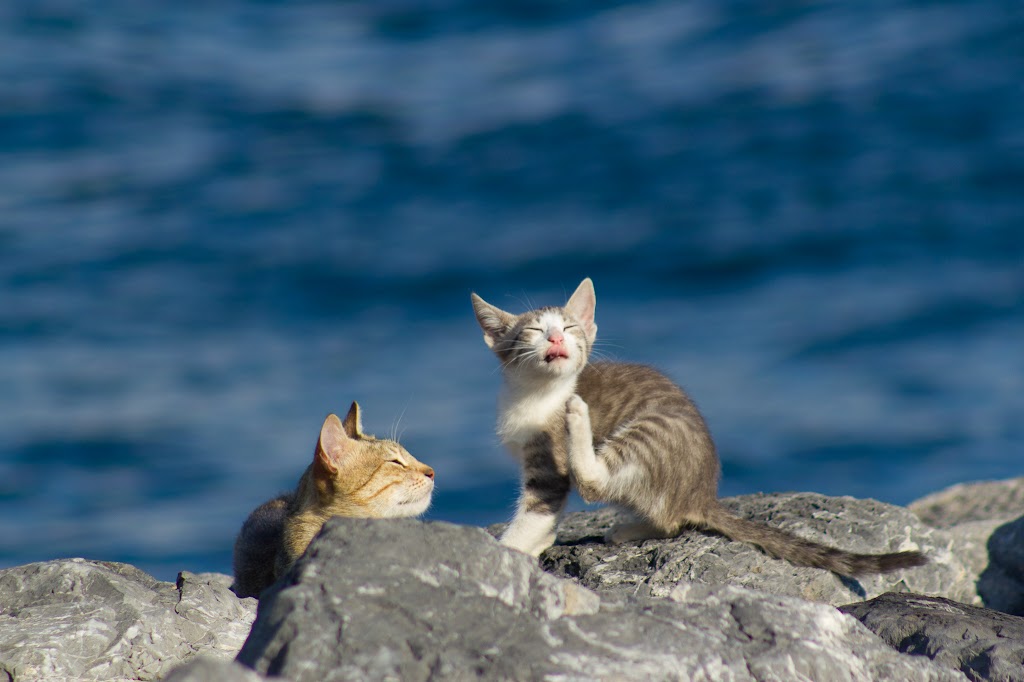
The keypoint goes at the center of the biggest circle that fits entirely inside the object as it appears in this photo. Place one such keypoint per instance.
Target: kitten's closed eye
(532, 329)
(570, 326)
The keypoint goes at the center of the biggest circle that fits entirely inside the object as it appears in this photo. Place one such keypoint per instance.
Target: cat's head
(356, 474)
(545, 343)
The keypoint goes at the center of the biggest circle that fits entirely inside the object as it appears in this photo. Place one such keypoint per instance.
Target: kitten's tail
(783, 545)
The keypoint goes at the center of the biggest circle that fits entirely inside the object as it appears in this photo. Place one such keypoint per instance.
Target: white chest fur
(523, 412)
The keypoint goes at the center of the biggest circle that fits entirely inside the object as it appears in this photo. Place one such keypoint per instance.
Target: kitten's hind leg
(591, 474)
(632, 532)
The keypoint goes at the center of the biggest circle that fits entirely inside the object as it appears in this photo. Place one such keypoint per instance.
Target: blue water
(221, 221)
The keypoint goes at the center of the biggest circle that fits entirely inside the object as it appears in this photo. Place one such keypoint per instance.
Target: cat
(623, 434)
(352, 474)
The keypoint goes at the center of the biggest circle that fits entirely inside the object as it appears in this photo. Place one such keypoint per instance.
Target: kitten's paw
(533, 546)
(577, 416)
(576, 405)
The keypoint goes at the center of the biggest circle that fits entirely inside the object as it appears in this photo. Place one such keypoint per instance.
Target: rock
(986, 522)
(74, 619)
(410, 600)
(984, 644)
(966, 502)
(404, 599)
(655, 567)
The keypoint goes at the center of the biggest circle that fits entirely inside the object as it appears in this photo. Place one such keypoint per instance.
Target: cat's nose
(555, 337)
(429, 473)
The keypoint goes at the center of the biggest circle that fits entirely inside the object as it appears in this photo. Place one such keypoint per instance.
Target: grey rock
(1001, 583)
(204, 669)
(966, 502)
(655, 567)
(969, 543)
(406, 600)
(74, 619)
(986, 523)
(983, 643)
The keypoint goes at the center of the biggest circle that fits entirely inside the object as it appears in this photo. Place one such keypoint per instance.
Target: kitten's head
(546, 343)
(355, 474)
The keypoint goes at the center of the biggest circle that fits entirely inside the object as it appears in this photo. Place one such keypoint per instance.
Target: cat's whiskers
(526, 301)
(597, 350)
(502, 366)
(531, 353)
(606, 342)
(505, 365)
(395, 435)
(600, 355)
(517, 357)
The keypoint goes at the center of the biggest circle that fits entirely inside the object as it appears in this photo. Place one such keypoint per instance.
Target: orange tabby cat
(352, 474)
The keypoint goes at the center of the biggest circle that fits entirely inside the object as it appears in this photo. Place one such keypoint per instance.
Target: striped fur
(622, 433)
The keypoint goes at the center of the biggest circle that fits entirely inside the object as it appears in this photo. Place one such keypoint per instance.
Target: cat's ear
(353, 422)
(494, 321)
(331, 449)
(582, 305)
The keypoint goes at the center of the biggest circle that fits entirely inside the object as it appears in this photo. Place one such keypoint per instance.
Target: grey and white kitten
(621, 433)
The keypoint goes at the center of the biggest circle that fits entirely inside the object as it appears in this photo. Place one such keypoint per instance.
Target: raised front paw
(577, 418)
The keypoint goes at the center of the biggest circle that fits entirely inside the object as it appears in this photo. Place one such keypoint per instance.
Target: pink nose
(556, 337)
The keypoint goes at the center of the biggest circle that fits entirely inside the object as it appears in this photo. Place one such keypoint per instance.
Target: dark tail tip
(884, 563)
(908, 560)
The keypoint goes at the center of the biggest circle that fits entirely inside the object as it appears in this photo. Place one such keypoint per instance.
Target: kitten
(352, 474)
(623, 434)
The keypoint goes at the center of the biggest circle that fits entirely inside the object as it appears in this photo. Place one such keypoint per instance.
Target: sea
(222, 221)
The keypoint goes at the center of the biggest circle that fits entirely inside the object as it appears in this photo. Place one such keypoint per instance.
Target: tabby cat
(352, 474)
(623, 434)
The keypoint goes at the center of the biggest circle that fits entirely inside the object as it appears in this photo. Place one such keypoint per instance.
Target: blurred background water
(221, 221)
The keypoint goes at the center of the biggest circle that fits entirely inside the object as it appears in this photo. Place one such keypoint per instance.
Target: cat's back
(257, 545)
(601, 379)
(617, 392)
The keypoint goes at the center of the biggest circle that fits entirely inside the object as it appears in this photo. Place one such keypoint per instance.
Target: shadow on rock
(1001, 584)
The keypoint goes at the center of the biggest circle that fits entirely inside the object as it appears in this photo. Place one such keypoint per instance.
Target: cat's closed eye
(570, 326)
(532, 329)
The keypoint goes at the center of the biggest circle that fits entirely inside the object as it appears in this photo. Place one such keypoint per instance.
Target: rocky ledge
(73, 619)
(410, 600)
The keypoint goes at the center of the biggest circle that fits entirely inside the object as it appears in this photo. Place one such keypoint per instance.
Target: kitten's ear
(494, 321)
(331, 449)
(353, 422)
(581, 305)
